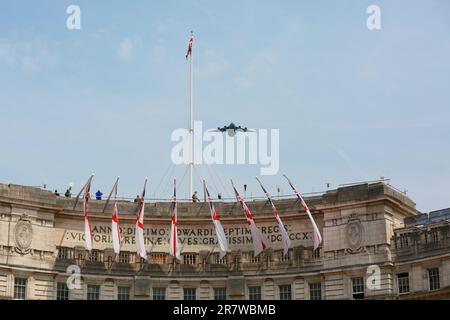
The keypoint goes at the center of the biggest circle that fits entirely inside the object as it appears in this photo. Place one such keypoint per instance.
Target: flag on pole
(189, 49)
(173, 242)
(259, 241)
(115, 221)
(87, 224)
(115, 229)
(139, 230)
(316, 233)
(221, 238)
(284, 235)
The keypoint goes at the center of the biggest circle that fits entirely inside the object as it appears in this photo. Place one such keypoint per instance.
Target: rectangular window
(93, 256)
(189, 258)
(93, 292)
(285, 292)
(62, 291)
(404, 241)
(157, 258)
(315, 254)
(433, 279)
(285, 257)
(20, 288)
(358, 288)
(254, 293)
(123, 293)
(403, 283)
(220, 293)
(253, 259)
(159, 294)
(62, 253)
(190, 294)
(124, 257)
(315, 291)
(218, 260)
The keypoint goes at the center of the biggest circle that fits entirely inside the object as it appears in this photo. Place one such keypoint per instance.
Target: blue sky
(351, 104)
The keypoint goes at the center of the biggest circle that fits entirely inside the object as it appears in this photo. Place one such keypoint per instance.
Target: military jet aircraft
(232, 129)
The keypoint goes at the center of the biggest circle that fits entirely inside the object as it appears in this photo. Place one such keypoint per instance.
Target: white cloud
(125, 50)
(27, 56)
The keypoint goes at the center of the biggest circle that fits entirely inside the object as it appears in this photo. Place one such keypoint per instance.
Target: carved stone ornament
(354, 234)
(23, 234)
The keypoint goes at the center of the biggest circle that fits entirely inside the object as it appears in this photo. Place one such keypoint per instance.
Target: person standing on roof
(98, 195)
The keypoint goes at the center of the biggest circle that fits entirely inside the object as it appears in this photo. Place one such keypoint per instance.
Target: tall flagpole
(191, 119)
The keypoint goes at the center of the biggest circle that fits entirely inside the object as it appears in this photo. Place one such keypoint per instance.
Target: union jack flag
(189, 50)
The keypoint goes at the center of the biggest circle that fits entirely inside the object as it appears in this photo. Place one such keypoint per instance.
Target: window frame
(220, 295)
(360, 294)
(20, 288)
(190, 294)
(61, 287)
(190, 259)
(254, 293)
(91, 294)
(434, 279)
(285, 294)
(314, 288)
(401, 277)
(123, 296)
(125, 257)
(94, 256)
(159, 293)
(63, 253)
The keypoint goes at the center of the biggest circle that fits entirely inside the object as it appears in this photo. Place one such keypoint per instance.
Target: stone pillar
(235, 261)
(298, 289)
(108, 258)
(81, 255)
(203, 259)
(78, 294)
(205, 291)
(268, 290)
(44, 287)
(445, 282)
(418, 279)
(175, 291)
(4, 285)
(108, 290)
(334, 286)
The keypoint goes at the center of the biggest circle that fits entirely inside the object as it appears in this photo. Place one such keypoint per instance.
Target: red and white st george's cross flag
(259, 241)
(221, 238)
(139, 230)
(189, 49)
(115, 221)
(87, 224)
(316, 233)
(284, 235)
(115, 229)
(174, 249)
